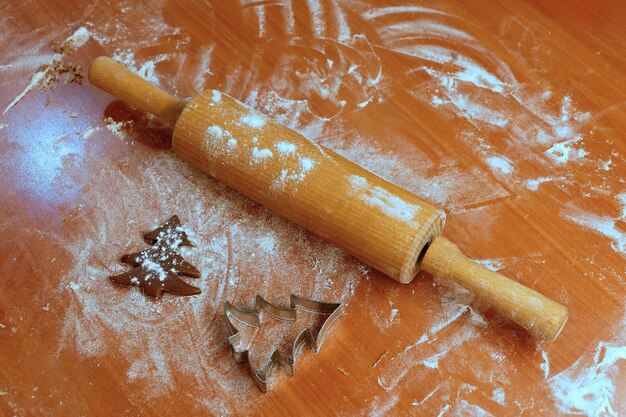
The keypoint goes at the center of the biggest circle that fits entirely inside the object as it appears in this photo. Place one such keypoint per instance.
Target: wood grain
(542, 317)
(527, 156)
(115, 79)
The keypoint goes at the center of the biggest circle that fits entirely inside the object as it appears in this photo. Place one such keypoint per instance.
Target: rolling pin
(381, 224)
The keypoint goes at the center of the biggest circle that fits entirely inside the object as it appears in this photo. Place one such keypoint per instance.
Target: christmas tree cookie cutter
(235, 317)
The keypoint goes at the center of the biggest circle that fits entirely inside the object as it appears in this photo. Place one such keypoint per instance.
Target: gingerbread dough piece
(158, 269)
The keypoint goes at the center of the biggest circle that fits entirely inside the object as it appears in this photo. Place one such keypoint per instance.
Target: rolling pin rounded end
(116, 79)
(560, 318)
(97, 65)
(542, 317)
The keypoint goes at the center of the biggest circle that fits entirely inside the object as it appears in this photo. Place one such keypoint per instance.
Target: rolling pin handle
(116, 79)
(541, 316)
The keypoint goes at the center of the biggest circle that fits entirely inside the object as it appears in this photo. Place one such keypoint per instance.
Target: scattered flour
(493, 264)
(238, 251)
(220, 140)
(215, 131)
(429, 395)
(298, 170)
(500, 164)
(34, 81)
(286, 148)
(154, 268)
(146, 70)
(604, 225)
(432, 362)
(78, 39)
(444, 410)
(378, 197)
(381, 407)
(622, 199)
(561, 152)
(533, 184)
(545, 365)
(216, 96)
(117, 128)
(253, 120)
(589, 386)
(258, 155)
(425, 352)
(89, 132)
(305, 164)
(498, 396)
(240, 254)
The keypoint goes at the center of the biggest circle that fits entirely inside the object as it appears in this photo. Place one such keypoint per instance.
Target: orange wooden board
(509, 114)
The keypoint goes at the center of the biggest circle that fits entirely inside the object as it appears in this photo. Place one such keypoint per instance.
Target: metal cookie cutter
(236, 317)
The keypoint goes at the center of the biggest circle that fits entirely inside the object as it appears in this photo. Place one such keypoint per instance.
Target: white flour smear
(382, 199)
(503, 112)
(605, 225)
(243, 250)
(594, 385)
(239, 254)
(78, 39)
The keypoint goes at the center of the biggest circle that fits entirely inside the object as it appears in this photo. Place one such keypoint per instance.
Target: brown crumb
(64, 48)
(77, 74)
(58, 66)
(53, 70)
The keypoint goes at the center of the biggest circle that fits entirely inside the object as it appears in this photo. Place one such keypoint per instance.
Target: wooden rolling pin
(378, 222)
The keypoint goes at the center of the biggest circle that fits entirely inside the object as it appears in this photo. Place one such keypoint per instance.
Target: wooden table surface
(510, 114)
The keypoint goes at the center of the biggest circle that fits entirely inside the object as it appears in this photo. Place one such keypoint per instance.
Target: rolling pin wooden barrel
(383, 225)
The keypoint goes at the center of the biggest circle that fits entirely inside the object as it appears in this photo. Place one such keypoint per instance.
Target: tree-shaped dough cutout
(159, 268)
